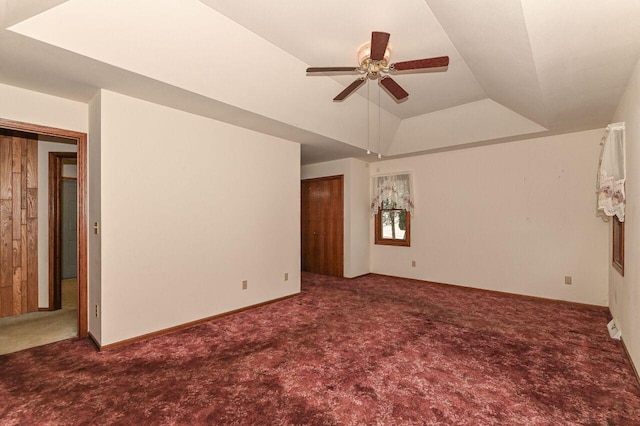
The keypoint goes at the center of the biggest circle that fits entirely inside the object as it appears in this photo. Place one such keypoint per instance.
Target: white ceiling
(518, 67)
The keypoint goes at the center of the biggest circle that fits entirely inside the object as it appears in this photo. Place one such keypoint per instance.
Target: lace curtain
(612, 172)
(392, 190)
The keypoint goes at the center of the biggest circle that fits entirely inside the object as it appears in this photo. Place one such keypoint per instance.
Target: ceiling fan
(373, 58)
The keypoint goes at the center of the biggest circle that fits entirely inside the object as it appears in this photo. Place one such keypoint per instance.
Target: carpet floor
(374, 350)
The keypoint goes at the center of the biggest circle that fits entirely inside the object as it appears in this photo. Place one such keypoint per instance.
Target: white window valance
(392, 190)
(612, 172)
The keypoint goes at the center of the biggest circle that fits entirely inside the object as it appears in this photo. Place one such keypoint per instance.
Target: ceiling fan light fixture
(364, 57)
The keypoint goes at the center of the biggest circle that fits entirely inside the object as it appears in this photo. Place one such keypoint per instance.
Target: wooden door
(322, 225)
(18, 223)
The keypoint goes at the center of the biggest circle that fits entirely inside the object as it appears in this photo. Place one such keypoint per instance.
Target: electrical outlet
(97, 311)
(413, 263)
(568, 280)
(286, 276)
(244, 284)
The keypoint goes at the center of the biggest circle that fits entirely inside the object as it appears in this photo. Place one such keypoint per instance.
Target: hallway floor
(39, 328)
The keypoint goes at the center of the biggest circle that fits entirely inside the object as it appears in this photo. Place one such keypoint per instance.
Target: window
(393, 226)
(392, 205)
(618, 245)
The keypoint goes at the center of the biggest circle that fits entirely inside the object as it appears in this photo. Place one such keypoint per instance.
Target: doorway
(322, 225)
(80, 139)
(63, 225)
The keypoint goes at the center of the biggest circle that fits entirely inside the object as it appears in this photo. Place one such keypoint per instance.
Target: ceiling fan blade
(417, 64)
(350, 89)
(332, 69)
(394, 88)
(379, 43)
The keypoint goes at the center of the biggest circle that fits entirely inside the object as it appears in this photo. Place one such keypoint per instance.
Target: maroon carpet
(374, 350)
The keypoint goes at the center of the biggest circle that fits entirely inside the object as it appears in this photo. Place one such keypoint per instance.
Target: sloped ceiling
(518, 67)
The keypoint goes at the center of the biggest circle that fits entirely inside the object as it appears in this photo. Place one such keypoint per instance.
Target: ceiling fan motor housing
(369, 66)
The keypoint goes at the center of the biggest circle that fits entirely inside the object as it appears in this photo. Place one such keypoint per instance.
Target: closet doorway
(322, 225)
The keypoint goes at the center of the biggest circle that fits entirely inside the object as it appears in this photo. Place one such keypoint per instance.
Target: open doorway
(23, 209)
(63, 224)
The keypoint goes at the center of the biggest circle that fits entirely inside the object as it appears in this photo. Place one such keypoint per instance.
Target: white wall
(94, 274)
(467, 123)
(45, 110)
(44, 148)
(514, 217)
(356, 209)
(624, 292)
(190, 208)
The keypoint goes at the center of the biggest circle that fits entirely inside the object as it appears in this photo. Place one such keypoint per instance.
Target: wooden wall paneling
(16, 253)
(18, 158)
(32, 163)
(17, 277)
(6, 301)
(16, 229)
(5, 168)
(32, 203)
(18, 224)
(32, 225)
(23, 182)
(16, 154)
(6, 244)
(6, 259)
(17, 291)
(16, 213)
(32, 264)
(24, 261)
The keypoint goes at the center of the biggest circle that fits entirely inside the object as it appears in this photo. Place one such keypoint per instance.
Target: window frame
(380, 240)
(617, 255)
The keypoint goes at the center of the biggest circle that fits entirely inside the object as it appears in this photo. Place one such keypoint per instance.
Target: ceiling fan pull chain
(368, 119)
(379, 144)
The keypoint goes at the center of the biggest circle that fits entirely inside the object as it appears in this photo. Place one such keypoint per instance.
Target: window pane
(393, 224)
(618, 245)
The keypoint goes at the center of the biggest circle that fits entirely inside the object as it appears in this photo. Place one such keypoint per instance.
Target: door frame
(55, 226)
(81, 142)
